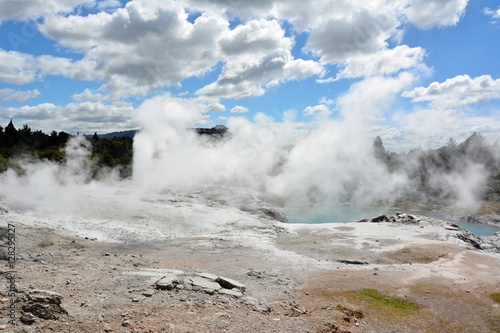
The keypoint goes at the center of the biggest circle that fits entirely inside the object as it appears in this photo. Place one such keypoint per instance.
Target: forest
(26, 144)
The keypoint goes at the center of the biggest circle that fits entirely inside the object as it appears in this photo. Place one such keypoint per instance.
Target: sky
(415, 72)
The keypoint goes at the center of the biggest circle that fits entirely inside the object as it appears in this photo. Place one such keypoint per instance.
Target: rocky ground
(214, 262)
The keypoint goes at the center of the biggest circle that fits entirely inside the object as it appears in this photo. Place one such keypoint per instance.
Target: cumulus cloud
(432, 128)
(73, 117)
(319, 109)
(239, 109)
(257, 56)
(303, 18)
(326, 101)
(21, 68)
(32, 9)
(108, 4)
(241, 79)
(460, 90)
(444, 118)
(495, 14)
(17, 68)
(352, 34)
(384, 62)
(338, 39)
(78, 70)
(32, 113)
(18, 95)
(143, 43)
(127, 47)
(88, 95)
(254, 38)
(148, 45)
(427, 14)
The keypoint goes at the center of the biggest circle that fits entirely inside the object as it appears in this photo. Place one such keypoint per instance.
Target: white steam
(51, 188)
(333, 163)
(330, 163)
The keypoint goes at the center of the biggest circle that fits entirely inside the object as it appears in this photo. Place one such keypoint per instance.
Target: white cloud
(427, 14)
(34, 113)
(460, 90)
(239, 109)
(319, 109)
(302, 17)
(211, 104)
(79, 70)
(340, 38)
(88, 95)
(241, 79)
(432, 128)
(384, 62)
(495, 14)
(128, 48)
(257, 57)
(21, 68)
(254, 39)
(32, 9)
(149, 44)
(73, 117)
(17, 68)
(18, 95)
(108, 4)
(366, 100)
(352, 34)
(326, 101)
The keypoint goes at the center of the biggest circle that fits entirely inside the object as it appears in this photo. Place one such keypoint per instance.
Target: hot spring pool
(347, 213)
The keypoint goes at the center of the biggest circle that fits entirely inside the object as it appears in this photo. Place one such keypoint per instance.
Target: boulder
(381, 218)
(45, 296)
(44, 304)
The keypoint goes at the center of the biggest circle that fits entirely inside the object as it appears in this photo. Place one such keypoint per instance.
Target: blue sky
(416, 71)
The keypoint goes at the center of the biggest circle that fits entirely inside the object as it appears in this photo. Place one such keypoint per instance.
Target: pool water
(349, 213)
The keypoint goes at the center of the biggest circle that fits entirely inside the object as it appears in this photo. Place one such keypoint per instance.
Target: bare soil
(299, 287)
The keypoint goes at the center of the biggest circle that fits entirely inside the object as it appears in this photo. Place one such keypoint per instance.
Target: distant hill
(216, 131)
(122, 134)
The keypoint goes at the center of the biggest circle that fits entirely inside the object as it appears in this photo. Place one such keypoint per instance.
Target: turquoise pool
(349, 213)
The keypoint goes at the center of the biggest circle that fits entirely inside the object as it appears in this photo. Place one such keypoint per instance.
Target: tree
(25, 131)
(63, 137)
(11, 135)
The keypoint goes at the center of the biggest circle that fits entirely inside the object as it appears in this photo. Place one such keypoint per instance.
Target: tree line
(36, 145)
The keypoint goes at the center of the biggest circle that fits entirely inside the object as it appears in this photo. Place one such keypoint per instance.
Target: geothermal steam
(329, 162)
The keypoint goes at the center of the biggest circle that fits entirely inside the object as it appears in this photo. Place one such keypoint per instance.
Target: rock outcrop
(43, 304)
(490, 219)
(484, 243)
(397, 218)
(216, 132)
